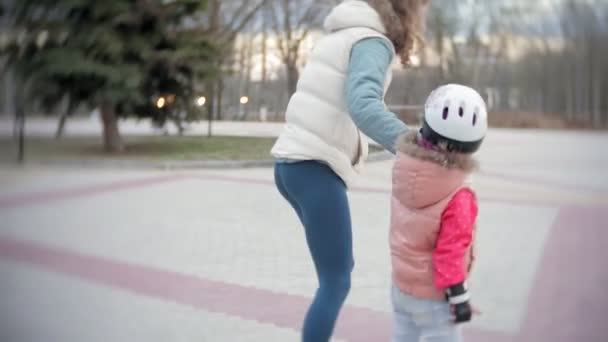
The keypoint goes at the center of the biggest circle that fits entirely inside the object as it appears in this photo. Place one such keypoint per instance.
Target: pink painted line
(378, 190)
(232, 179)
(569, 299)
(213, 296)
(282, 310)
(245, 180)
(84, 191)
(95, 189)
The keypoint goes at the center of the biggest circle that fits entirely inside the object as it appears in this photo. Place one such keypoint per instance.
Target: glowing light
(201, 101)
(244, 100)
(160, 103)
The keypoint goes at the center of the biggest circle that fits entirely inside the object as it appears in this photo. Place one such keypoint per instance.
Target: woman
(340, 95)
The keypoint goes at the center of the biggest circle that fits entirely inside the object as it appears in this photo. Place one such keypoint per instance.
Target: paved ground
(118, 255)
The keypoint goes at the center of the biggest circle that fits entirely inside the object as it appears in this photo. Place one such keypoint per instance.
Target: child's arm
(369, 62)
(453, 243)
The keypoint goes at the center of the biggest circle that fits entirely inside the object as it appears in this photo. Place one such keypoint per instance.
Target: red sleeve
(454, 240)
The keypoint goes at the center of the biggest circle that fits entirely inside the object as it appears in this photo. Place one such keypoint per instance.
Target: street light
(244, 100)
(201, 100)
(160, 103)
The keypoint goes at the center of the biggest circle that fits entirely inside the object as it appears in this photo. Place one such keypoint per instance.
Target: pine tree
(110, 54)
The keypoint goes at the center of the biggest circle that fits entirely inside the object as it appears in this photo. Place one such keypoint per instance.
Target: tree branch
(310, 16)
(233, 28)
(283, 49)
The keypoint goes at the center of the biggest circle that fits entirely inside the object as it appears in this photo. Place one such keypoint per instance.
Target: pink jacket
(433, 213)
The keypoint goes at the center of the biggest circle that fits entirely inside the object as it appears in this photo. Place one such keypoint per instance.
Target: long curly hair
(403, 22)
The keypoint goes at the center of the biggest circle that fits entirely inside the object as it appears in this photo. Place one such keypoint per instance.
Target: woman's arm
(369, 63)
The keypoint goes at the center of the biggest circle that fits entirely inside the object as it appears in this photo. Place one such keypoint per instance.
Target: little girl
(433, 214)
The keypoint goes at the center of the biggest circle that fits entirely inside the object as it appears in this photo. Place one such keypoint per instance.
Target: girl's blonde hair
(403, 23)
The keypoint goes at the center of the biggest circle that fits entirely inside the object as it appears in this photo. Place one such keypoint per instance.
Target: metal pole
(209, 123)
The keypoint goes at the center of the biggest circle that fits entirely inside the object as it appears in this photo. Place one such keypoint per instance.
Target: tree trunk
(595, 79)
(63, 119)
(578, 94)
(16, 126)
(111, 136)
(211, 94)
(20, 121)
(597, 101)
(545, 84)
(6, 24)
(248, 69)
(9, 92)
(292, 77)
(604, 101)
(61, 126)
(220, 96)
(264, 53)
(209, 123)
(570, 88)
(439, 40)
(10, 105)
(247, 80)
(179, 125)
(242, 67)
(262, 89)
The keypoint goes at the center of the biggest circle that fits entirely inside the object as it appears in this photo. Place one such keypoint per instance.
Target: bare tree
(292, 21)
(225, 20)
(584, 26)
(533, 57)
(546, 56)
(442, 26)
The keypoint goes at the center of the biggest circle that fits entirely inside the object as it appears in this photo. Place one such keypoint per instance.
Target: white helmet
(455, 115)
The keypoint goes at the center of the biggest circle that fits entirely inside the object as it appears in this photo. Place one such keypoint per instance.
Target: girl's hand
(464, 312)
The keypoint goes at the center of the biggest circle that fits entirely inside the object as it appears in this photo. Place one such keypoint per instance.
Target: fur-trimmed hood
(407, 144)
(354, 13)
(423, 177)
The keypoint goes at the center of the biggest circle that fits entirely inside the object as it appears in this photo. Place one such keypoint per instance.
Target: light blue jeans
(418, 320)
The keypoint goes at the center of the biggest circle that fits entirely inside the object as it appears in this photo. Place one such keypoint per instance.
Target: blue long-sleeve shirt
(364, 91)
(369, 62)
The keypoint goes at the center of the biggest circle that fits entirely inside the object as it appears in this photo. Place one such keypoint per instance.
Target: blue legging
(319, 198)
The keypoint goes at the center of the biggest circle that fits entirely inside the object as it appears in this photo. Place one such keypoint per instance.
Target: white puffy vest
(318, 125)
